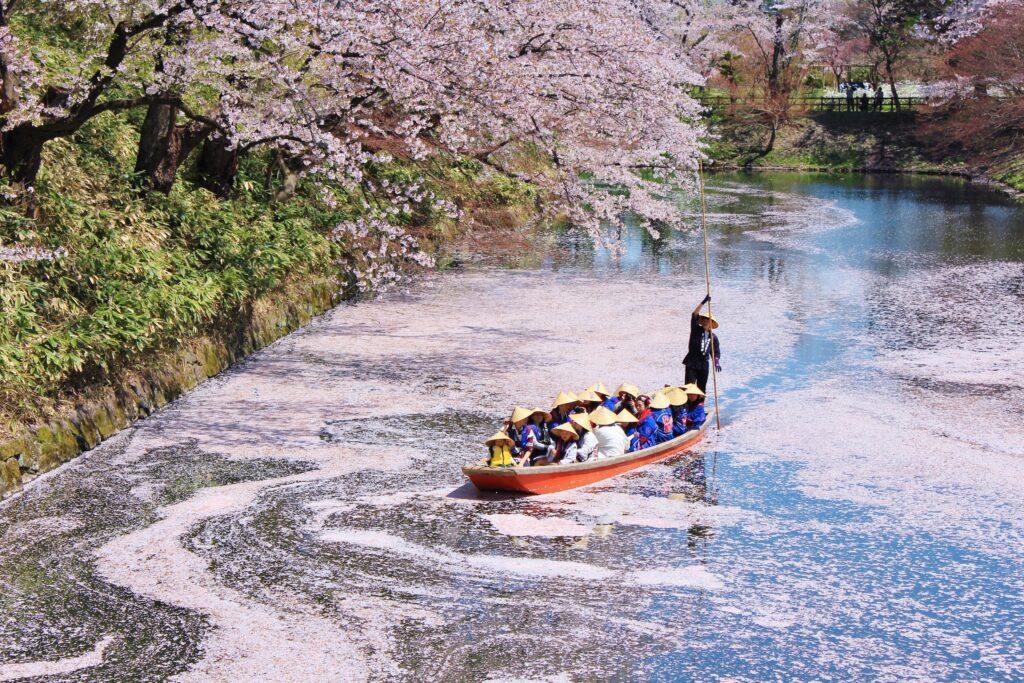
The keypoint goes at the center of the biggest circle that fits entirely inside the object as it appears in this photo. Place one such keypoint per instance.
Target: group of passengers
(595, 424)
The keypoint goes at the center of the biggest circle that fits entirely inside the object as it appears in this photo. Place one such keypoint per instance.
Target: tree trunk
(8, 89)
(290, 177)
(892, 83)
(778, 47)
(164, 145)
(770, 145)
(773, 129)
(21, 153)
(218, 166)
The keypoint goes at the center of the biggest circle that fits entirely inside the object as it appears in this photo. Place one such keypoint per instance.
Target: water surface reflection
(851, 521)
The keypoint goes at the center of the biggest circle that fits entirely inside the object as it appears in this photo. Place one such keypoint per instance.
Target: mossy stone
(57, 445)
(85, 424)
(113, 407)
(103, 422)
(11, 475)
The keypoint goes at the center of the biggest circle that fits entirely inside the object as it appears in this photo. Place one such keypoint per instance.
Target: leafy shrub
(138, 272)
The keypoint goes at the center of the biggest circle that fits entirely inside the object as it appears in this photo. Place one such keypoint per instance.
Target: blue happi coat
(611, 403)
(679, 415)
(663, 420)
(696, 416)
(524, 437)
(557, 420)
(647, 431)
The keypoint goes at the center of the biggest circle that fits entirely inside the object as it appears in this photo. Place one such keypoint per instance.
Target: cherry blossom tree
(982, 112)
(893, 29)
(962, 19)
(779, 39)
(599, 86)
(841, 44)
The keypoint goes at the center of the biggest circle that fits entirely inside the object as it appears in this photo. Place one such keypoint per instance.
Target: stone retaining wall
(102, 411)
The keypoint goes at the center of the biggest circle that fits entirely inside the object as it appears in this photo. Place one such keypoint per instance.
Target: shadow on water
(407, 429)
(817, 588)
(714, 565)
(53, 605)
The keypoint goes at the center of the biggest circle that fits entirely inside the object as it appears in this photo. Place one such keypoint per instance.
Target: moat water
(303, 517)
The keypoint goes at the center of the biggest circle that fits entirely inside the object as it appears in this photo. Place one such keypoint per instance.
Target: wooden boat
(552, 478)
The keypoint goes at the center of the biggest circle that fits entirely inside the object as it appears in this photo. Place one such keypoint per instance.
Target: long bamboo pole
(707, 278)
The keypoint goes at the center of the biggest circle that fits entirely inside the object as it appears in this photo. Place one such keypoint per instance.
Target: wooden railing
(824, 104)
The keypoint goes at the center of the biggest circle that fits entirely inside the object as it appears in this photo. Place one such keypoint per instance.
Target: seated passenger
(677, 401)
(607, 400)
(611, 440)
(524, 430)
(662, 417)
(589, 399)
(629, 424)
(538, 424)
(629, 403)
(627, 394)
(564, 403)
(566, 445)
(646, 427)
(587, 441)
(500, 448)
(515, 426)
(695, 414)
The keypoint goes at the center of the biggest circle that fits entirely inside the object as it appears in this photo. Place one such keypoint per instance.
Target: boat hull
(554, 478)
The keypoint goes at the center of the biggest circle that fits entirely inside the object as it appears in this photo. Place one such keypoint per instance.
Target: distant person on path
(864, 101)
(849, 96)
(698, 353)
(879, 97)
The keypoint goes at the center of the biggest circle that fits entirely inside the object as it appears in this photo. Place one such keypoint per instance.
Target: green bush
(140, 271)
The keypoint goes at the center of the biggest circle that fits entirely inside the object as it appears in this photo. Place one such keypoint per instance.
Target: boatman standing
(702, 342)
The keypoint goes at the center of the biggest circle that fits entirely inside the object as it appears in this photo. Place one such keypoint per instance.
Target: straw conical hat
(581, 420)
(693, 390)
(601, 416)
(676, 397)
(713, 319)
(545, 414)
(564, 398)
(565, 430)
(659, 401)
(598, 388)
(630, 389)
(589, 395)
(627, 418)
(519, 414)
(499, 437)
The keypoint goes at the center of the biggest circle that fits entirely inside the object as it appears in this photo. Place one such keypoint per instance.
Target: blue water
(859, 517)
(893, 569)
(879, 599)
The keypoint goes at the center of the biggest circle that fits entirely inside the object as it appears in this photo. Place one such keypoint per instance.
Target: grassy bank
(1010, 174)
(848, 142)
(139, 274)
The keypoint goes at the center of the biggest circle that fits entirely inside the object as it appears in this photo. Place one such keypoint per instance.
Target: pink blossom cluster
(378, 247)
(964, 18)
(16, 253)
(598, 86)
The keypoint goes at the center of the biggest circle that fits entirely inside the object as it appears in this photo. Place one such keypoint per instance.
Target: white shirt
(611, 441)
(587, 444)
(569, 457)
